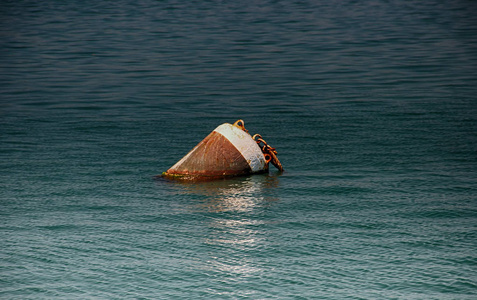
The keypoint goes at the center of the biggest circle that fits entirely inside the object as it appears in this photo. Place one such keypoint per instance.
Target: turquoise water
(371, 105)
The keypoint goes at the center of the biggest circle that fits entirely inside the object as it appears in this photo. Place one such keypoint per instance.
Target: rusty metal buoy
(227, 151)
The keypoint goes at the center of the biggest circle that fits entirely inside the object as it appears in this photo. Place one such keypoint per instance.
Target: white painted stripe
(244, 144)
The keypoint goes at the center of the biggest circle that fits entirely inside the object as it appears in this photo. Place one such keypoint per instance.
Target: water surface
(371, 106)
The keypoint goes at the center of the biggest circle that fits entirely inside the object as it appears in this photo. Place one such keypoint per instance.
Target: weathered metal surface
(228, 151)
(244, 143)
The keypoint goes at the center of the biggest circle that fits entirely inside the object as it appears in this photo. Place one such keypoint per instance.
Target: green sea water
(371, 106)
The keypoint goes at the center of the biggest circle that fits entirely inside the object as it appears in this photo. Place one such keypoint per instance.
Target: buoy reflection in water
(234, 225)
(239, 194)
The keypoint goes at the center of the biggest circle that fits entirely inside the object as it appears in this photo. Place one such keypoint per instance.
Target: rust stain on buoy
(227, 151)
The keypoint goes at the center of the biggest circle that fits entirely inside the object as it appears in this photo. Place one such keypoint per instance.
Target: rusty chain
(269, 152)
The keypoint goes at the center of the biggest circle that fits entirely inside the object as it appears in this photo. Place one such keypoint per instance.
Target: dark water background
(372, 106)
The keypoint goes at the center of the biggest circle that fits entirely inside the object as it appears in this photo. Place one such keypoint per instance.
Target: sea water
(371, 106)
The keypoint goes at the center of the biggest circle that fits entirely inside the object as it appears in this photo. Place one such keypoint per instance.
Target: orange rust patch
(213, 156)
